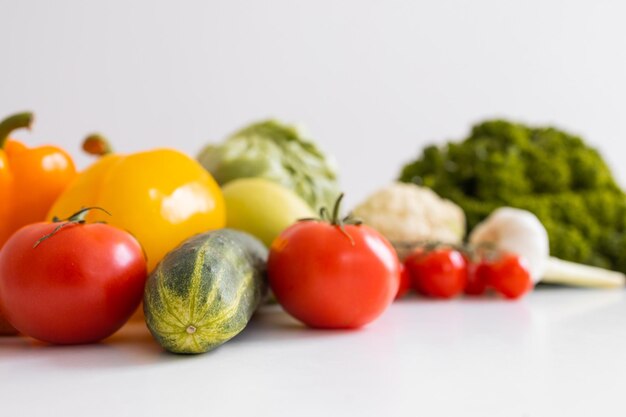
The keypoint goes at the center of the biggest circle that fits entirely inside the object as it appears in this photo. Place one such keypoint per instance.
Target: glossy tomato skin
(508, 275)
(325, 281)
(78, 286)
(440, 273)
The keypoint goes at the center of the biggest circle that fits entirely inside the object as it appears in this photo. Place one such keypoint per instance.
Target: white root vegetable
(519, 231)
(563, 272)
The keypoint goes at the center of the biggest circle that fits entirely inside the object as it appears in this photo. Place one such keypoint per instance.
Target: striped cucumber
(204, 292)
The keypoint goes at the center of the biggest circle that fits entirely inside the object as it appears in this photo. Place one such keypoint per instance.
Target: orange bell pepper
(31, 179)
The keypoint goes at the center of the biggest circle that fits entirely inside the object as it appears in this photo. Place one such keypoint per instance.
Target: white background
(372, 81)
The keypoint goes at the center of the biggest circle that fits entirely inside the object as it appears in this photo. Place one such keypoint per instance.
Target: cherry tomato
(405, 282)
(476, 281)
(327, 277)
(508, 275)
(79, 285)
(440, 273)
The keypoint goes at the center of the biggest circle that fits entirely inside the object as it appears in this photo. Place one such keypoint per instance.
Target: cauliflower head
(407, 213)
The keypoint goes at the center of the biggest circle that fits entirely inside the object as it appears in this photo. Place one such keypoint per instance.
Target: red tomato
(6, 328)
(78, 286)
(329, 280)
(508, 275)
(440, 273)
(476, 282)
(405, 282)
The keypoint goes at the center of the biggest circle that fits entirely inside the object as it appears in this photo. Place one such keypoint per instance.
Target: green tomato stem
(76, 218)
(335, 219)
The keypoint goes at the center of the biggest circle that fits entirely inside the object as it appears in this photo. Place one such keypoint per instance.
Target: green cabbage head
(276, 152)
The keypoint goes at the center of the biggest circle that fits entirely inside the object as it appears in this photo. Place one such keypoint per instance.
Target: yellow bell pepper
(161, 196)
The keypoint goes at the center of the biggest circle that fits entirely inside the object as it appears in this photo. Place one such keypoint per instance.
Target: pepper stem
(96, 144)
(13, 122)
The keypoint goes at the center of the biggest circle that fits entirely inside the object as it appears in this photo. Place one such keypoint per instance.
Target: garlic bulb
(517, 231)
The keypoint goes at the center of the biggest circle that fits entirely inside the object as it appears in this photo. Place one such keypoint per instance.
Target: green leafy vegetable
(549, 172)
(276, 152)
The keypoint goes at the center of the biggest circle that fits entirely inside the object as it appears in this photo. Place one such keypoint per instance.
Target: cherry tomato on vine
(70, 282)
(508, 275)
(438, 273)
(333, 273)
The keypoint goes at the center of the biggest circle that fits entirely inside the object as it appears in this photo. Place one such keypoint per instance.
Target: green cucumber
(204, 292)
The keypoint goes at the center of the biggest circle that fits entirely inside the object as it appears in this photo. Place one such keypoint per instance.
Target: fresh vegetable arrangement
(518, 231)
(159, 209)
(203, 252)
(546, 171)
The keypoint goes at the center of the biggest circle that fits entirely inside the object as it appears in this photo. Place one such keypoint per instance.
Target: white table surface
(558, 352)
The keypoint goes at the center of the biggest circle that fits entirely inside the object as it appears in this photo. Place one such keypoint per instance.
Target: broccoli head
(549, 172)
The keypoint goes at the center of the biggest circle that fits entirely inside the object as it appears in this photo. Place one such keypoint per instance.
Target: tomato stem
(96, 144)
(80, 215)
(76, 218)
(335, 220)
(13, 122)
(324, 215)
